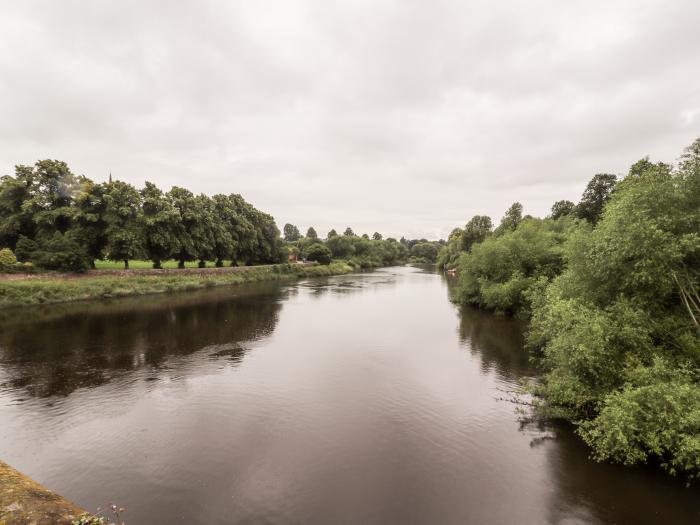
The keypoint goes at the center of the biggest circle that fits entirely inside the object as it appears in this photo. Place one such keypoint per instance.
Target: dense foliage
(61, 221)
(613, 288)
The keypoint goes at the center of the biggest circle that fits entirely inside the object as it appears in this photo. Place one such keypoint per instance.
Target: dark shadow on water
(53, 350)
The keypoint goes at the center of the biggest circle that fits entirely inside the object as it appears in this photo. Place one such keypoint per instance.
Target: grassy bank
(44, 290)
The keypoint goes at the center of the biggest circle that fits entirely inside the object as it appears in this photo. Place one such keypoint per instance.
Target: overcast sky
(405, 117)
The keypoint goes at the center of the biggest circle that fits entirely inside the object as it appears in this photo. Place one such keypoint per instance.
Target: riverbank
(61, 288)
(23, 500)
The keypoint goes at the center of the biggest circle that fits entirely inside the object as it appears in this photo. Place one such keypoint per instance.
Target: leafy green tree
(123, 224)
(501, 273)
(377, 236)
(319, 253)
(291, 233)
(311, 233)
(160, 225)
(477, 230)
(25, 249)
(562, 208)
(61, 252)
(348, 232)
(89, 226)
(425, 251)
(332, 233)
(205, 235)
(227, 228)
(365, 236)
(596, 194)
(16, 213)
(189, 225)
(618, 331)
(512, 218)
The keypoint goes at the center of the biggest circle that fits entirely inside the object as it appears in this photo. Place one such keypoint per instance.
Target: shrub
(319, 253)
(7, 258)
(62, 252)
(24, 251)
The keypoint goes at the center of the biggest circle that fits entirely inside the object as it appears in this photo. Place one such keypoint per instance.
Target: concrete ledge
(24, 502)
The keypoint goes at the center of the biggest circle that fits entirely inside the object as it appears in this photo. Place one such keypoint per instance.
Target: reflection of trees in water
(589, 492)
(53, 351)
(499, 341)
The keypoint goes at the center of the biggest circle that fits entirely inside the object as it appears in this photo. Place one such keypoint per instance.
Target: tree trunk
(219, 263)
(157, 265)
(181, 263)
(126, 264)
(234, 262)
(92, 263)
(202, 264)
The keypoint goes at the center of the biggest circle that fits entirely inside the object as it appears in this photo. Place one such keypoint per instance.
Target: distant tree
(122, 211)
(25, 249)
(477, 229)
(311, 233)
(348, 232)
(365, 236)
(318, 252)
(160, 221)
(511, 219)
(562, 208)
(425, 251)
(291, 233)
(377, 236)
(16, 213)
(596, 194)
(226, 223)
(332, 233)
(205, 235)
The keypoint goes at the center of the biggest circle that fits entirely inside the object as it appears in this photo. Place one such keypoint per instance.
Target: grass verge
(52, 290)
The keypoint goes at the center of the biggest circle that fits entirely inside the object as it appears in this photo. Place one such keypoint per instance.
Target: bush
(7, 258)
(319, 253)
(25, 249)
(62, 252)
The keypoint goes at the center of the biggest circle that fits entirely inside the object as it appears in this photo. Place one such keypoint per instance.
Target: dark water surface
(360, 399)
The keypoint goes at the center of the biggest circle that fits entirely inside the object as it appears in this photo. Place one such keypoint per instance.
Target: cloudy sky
(404, 116)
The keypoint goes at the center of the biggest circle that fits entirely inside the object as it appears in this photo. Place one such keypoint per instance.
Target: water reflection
(52, 351)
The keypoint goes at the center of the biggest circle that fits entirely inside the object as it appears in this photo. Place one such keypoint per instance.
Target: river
(358, 399)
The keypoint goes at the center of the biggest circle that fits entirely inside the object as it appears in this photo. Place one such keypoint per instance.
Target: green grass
(147, 265)
(48, 290)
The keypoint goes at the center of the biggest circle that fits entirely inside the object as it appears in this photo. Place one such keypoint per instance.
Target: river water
(360, 399)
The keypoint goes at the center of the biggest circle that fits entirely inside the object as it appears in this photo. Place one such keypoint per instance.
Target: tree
(477, 230)
(377, 236)
(596, 194)
(291, 233)
(226, 228)
(160, 223)
(89, 226)
(311, 233)
(16, 214)
(332, 233)
(365, 236)
(511, 219)
(189, 225)
(61, 252)
(348, 232)
(562, 209)
(425, 251)
(122, 219)
(618, 333)
(319, 253)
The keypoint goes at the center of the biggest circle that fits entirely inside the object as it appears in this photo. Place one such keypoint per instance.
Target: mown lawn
(147, 265)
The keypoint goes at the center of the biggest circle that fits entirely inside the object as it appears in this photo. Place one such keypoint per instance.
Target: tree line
(58, 220)
(612, 288)
(361, 251)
